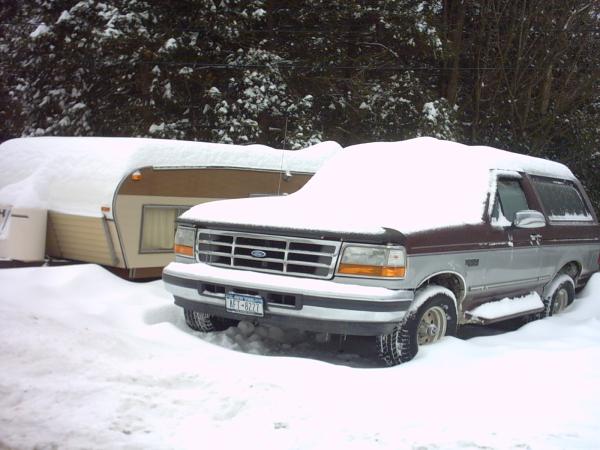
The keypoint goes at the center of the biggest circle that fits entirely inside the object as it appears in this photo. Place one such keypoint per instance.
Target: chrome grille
(276, 254)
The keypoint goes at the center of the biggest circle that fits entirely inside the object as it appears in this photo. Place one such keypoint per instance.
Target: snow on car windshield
(414, 185)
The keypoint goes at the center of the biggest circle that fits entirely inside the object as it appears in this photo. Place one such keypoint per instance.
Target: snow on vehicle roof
(80, 174)
(409, 186)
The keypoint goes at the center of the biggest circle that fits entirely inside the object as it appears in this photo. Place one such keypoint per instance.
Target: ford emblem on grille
(258, 253)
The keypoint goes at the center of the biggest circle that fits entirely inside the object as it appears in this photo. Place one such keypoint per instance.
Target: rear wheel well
(573, 269)
(450, 281)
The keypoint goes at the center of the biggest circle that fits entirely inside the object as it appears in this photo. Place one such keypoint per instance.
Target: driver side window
(510, 198)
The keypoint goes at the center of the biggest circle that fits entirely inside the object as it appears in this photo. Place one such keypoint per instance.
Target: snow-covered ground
(88, 360)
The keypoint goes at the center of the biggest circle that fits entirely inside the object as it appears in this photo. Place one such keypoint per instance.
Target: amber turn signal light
(184, 250)
(372, 271)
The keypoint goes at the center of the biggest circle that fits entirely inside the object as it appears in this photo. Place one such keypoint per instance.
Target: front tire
(206, 322)
(433, 320)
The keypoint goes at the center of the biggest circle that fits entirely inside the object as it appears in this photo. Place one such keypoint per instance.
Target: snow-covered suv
(404, 241)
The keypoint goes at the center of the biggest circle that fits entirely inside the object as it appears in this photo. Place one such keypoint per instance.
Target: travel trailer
(114, 201)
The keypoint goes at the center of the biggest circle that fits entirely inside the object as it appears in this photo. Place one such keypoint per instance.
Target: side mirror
(529, 219)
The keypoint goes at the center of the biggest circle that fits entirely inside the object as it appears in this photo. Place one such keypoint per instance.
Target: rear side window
(562, 201)
(510, 198)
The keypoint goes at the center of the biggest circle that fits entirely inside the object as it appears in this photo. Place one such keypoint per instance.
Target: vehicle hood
(302, 214)
(291, 212)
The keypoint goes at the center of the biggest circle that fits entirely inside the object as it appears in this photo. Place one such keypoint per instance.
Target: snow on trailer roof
(80, 174)
(409, 186)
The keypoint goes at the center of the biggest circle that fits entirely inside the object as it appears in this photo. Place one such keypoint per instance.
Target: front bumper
(291, 302)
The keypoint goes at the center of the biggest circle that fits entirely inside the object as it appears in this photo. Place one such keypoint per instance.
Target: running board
(505, 309)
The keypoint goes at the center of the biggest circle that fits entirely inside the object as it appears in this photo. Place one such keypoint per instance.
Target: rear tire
(563, 296)
(433, 320)
(206, 322)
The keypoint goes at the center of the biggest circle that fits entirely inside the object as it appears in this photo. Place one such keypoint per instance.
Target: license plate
(250, 305)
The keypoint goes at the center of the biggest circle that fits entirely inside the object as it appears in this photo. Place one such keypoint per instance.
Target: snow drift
(91, 361)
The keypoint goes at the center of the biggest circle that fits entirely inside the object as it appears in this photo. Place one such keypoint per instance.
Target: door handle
(535, 238)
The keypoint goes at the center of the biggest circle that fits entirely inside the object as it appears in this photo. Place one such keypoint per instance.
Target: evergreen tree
(521, 75)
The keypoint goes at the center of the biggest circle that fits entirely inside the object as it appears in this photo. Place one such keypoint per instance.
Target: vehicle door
(571, 235)
(515, 257)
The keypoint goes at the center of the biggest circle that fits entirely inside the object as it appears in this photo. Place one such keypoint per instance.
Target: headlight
(371, 261)
(184, 241)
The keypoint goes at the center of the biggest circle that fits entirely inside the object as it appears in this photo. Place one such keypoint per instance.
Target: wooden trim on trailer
(208, 182)
(80, 238)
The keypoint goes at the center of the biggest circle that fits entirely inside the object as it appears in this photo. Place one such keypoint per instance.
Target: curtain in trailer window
(158, 228)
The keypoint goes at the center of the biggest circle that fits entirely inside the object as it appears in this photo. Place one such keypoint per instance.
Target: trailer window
(158, 228)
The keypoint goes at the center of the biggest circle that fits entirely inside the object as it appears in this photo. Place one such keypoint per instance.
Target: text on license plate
(251, 305)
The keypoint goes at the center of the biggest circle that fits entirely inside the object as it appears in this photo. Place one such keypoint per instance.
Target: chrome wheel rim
(561, 299)
(432, 326)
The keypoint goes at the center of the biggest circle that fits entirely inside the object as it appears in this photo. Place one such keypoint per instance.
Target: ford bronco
(403, 241)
